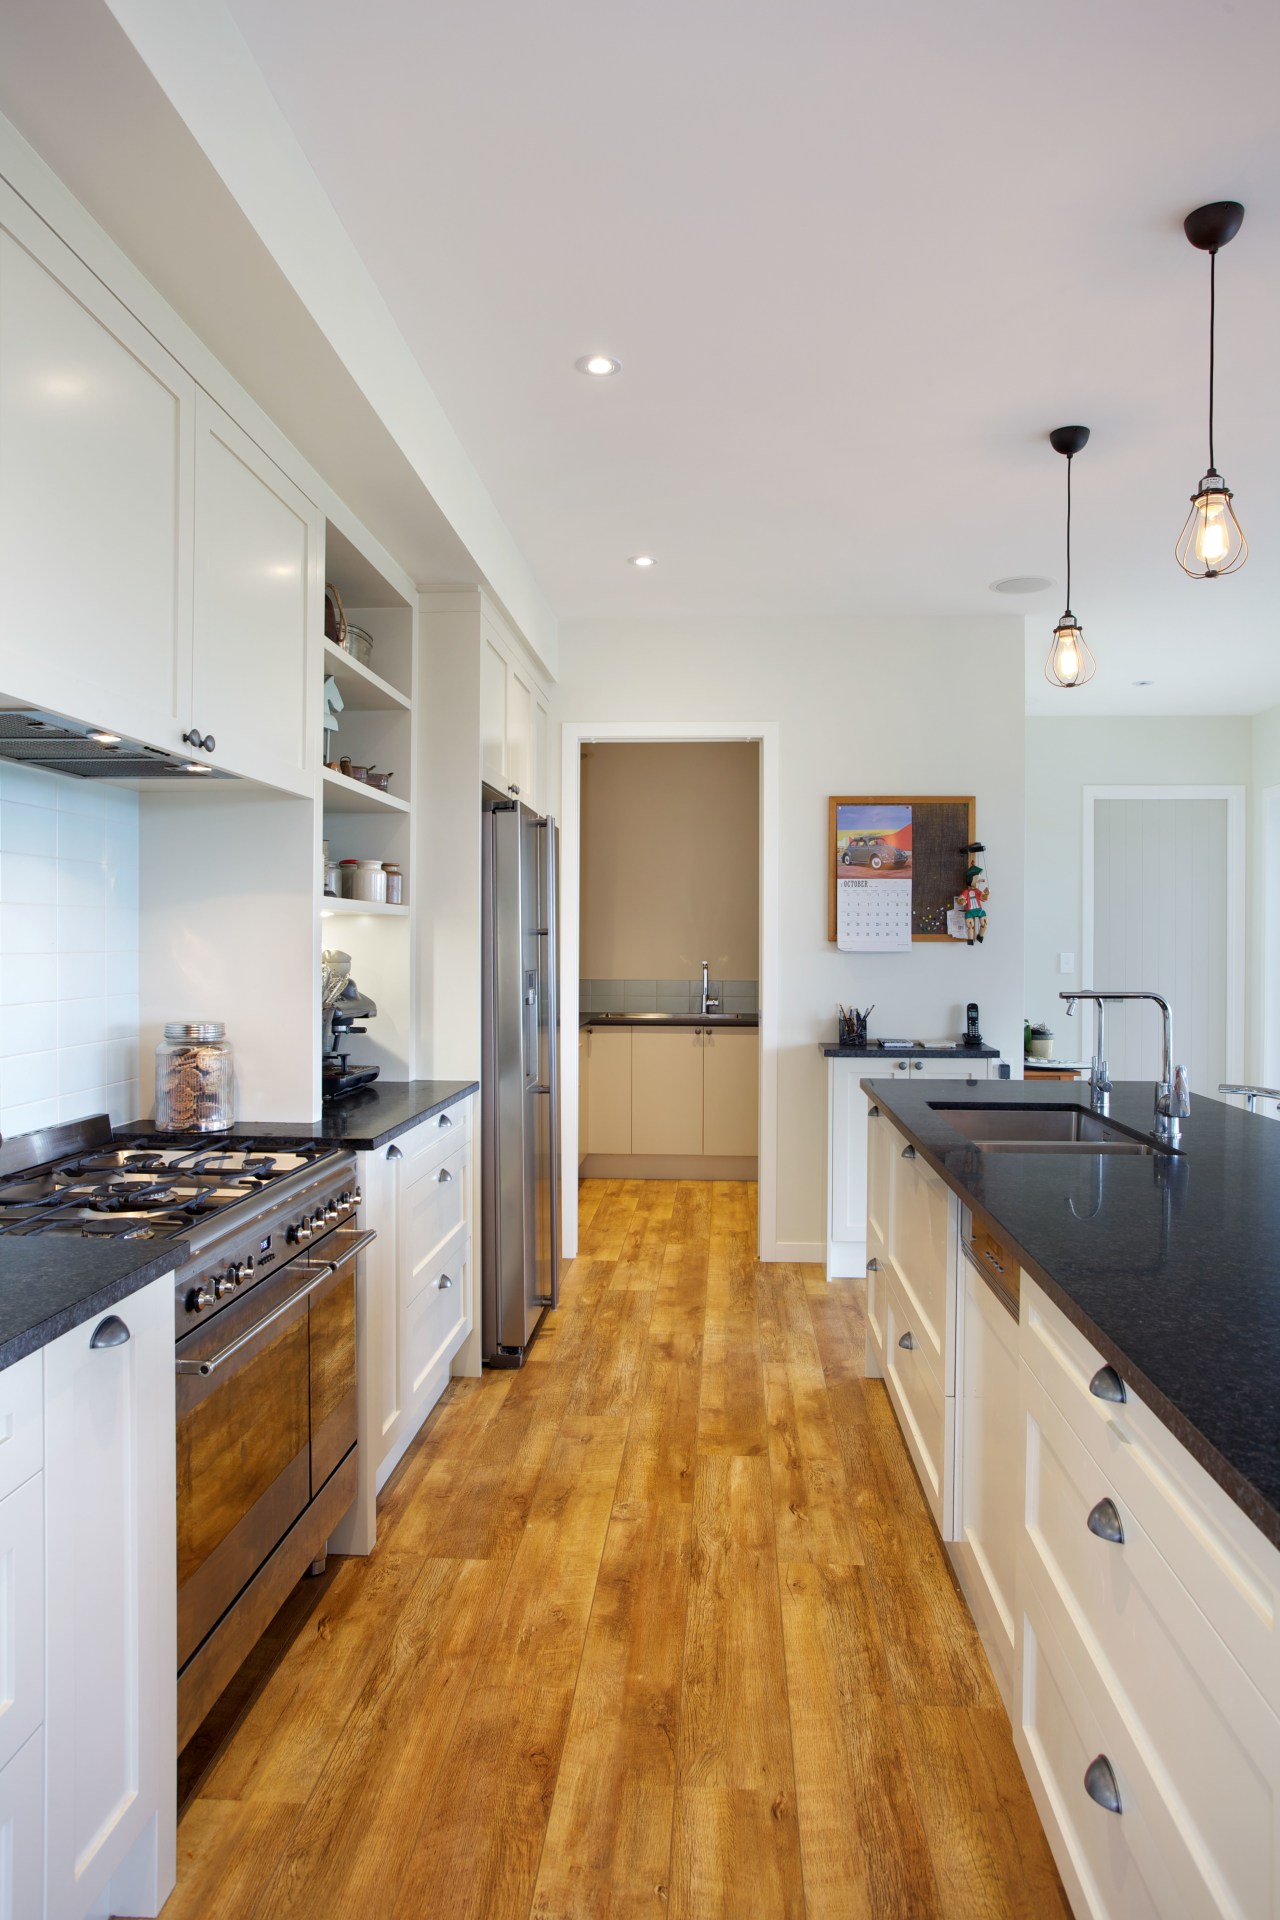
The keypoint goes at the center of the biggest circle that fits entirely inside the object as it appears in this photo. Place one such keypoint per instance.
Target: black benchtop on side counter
(50, 1283)
(834, 1051)
(368, 1118)
(1168, 1263)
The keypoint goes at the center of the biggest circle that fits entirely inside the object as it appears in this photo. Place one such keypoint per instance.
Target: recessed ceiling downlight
(1021, 583)
(641, 560)
(598, 365)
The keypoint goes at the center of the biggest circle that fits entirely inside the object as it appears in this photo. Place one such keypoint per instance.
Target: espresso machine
(342, 1018)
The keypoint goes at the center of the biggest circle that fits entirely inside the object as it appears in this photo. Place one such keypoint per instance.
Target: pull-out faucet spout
(1172, 1095)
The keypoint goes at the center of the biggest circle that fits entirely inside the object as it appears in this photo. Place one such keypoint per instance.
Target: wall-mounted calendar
(909, 852)
(873, 878)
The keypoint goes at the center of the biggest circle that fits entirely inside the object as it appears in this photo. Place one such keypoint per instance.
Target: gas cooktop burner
(142, 1188)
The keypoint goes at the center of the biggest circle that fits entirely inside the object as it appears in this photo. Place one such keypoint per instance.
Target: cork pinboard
(942, 825)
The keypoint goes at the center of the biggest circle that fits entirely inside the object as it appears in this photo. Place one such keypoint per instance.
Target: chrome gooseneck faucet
(1173, 1097)
(709, 1002)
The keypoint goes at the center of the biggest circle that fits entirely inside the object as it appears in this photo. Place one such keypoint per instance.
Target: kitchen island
(1080, 1337)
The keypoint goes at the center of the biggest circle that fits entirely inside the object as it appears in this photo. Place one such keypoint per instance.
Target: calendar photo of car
(873, 839)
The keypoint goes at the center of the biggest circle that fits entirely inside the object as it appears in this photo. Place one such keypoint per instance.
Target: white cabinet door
(493, 712)
(519, 761)
(846, 1168)
(22, 1833)
(666, 1091)
(990, 1465)
(21, 1616)
(111, 1702)
(259, 577)
(730, 1092)
(541, 748)
(96, 471)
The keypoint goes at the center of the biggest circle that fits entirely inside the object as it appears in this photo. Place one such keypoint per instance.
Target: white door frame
(1235, 799)
(574, 735)
(1267, 1056)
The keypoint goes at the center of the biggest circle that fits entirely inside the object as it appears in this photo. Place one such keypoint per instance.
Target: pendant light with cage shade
(1070, 663)
(1212, 542)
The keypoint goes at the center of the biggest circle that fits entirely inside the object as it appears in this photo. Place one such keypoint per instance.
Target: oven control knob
(332, 1212)
(198, 1299)
(356, 1197)
(224, 1284)
(317, 1219)
(300, 1231)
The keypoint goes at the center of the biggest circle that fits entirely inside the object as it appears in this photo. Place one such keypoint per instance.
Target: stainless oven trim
(206, 1367)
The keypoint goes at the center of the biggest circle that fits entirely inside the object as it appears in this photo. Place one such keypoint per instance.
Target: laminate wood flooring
(658, 1626)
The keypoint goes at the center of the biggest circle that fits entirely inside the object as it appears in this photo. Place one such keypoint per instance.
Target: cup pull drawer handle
(908, 1341)
(111, 1332)
(1106, 1384)
(444, 1121)
(395, 1153)
(873, 1113)
(908, 1153)
(444, 1281)
(873, 1265)
(444, 1176)
(1101, 1785)
(1105, 1521)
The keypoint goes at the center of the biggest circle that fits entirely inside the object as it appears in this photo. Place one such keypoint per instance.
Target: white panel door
(111, 1558)
(259, 568)
(1160, 870)
(96, 440)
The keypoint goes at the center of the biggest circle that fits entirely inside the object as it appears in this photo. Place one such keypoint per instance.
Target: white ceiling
(856, 261)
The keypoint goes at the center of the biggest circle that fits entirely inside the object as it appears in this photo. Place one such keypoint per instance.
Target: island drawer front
(431, 1142)
(21, 1617)
(1114, 1866)
(913, 1376)
(21, 1422)
(877, 1289)
(1229, 1568)
(1182, 1695)
(922, 1253)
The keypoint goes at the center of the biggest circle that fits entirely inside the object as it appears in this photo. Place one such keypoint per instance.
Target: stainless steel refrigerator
(520, 1215)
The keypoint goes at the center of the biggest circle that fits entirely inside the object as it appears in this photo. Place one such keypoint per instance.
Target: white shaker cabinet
(418, 1305)
(989, 1467)
(847, 1143)
(513, 719)
(259, 582)
(96, 496)
(110, 1701)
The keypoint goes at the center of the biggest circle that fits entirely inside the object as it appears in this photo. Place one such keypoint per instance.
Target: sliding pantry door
(1161, 887)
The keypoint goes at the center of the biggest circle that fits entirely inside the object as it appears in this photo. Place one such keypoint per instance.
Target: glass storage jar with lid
(195, 1077)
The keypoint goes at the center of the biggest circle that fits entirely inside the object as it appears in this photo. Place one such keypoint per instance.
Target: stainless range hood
(35, 738)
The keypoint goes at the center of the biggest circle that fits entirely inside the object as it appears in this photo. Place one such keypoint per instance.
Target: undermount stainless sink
(672, 1019)
(1040, 1130)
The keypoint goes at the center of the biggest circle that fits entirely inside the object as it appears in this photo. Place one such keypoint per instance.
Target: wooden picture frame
(942, 824)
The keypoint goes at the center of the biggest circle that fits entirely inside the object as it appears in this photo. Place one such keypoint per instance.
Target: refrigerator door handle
(550, 958)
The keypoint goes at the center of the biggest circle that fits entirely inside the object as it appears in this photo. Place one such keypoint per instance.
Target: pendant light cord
(1213, 262)
(1069, 459)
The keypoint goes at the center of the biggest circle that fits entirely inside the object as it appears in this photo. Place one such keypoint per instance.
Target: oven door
(244, 1439)
(332, 1363)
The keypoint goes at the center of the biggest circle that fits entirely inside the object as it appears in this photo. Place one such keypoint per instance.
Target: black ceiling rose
(1069, 440)
(1211, 226)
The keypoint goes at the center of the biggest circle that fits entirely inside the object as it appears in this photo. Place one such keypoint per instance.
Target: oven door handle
(357, 1244)
(211, 1365)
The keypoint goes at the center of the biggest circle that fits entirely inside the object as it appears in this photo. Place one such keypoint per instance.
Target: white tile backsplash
(68, 949)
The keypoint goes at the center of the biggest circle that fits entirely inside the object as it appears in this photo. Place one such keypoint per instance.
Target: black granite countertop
(1168, 1263)
(50, 1283)
(953, 1051)
(368, 1118)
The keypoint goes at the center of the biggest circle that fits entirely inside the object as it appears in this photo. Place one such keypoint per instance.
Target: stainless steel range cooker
(265, 1353)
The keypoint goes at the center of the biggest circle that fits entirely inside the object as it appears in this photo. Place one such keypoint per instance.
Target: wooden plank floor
(657, 1626)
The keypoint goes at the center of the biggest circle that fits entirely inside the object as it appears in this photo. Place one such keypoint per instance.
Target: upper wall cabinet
(96, 498)
(513, 721)
(259, 578)
(161, 574)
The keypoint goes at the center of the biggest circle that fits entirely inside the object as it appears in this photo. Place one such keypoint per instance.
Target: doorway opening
(669, 860)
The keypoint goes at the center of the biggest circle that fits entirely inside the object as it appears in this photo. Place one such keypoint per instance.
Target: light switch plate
(1066, 963)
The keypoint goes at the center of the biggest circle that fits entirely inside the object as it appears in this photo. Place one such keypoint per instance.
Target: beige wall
(862, 706)
(670, 860)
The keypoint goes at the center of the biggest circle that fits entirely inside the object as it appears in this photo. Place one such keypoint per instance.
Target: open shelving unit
(376, 728)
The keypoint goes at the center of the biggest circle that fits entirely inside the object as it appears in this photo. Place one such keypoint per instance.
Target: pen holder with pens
(853, 1026)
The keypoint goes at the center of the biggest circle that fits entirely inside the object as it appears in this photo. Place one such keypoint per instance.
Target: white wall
(1063, 758)
(863, 706)
(1264, 769)
(68, 949)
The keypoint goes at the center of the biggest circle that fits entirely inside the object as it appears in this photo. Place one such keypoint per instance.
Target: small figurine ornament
(972, 902)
